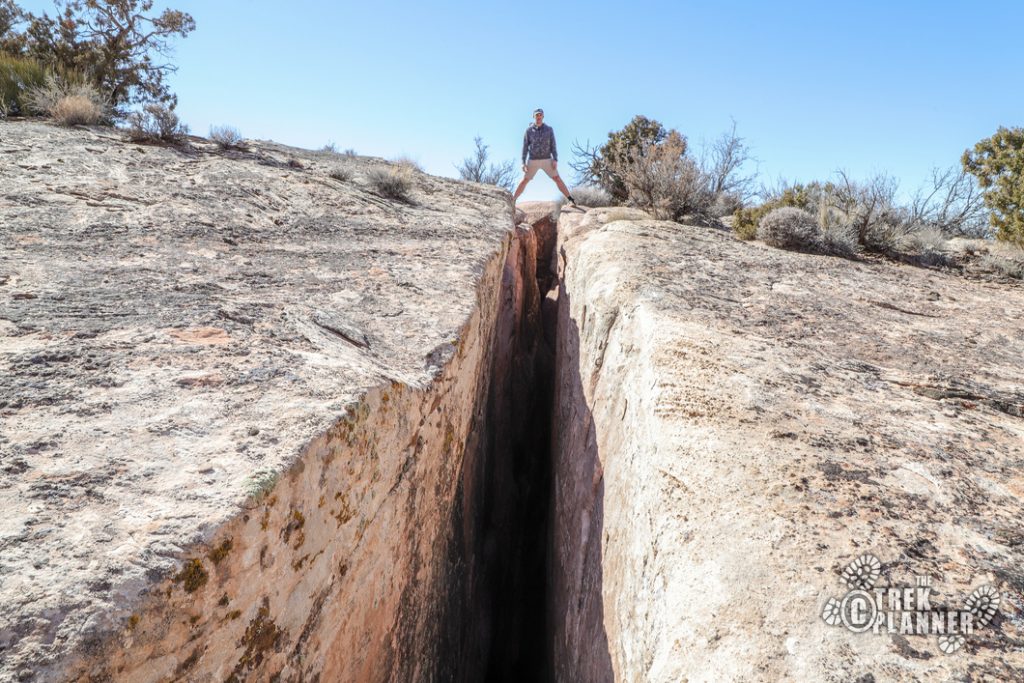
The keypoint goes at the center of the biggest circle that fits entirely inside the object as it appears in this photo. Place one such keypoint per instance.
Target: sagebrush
(788, 227)
(68, 104)
(591, 196)
(156, 123)
(393, 183)
(226, 137)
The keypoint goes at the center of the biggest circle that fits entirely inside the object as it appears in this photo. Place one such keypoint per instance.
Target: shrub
(726, 204)
(926, 245)
(341, 173)
(867, 209)
(119, 43)
(951, 202)
(788, 227)
(68, 104)
(603, 165)
(714, 177)
(998, 164)
(664, 181)
(226, 137)
(350, 152)
(330, 148)
(1003, 266)
(18, 76)
(393, 183)
(476, 169)
(76, 110)
(745, 221)
(156, 123)
(722, 162)
(838, 240)
(592, 196)
(883, 236)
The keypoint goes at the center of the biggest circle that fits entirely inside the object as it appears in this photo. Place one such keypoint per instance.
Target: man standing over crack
(539, 145)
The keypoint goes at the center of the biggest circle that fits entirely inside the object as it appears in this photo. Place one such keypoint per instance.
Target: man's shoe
(572, 201)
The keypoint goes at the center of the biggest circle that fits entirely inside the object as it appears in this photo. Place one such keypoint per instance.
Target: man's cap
(538, 111)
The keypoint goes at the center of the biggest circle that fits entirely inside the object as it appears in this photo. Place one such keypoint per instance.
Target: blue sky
(813, 86)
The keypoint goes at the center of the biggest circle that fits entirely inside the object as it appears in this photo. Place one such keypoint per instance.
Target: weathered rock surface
(258, 423)
(736, 424)
(241, 404)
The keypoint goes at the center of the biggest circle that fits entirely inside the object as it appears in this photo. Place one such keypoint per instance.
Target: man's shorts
(534, 165)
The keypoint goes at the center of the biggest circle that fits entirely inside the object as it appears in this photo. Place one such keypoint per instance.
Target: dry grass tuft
(69, 104)
(393, 183)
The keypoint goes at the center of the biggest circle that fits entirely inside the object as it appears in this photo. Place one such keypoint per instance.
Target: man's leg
(519, 190)
(552, 172)
(561, 186)
(529, 170)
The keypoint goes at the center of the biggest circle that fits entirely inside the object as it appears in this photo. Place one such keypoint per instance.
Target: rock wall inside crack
(242, 402)
(736, 424)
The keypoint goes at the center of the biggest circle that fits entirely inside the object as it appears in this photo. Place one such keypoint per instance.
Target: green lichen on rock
(259, 484)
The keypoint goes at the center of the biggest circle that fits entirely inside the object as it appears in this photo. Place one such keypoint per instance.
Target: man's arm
(554, 148)
(526, 144)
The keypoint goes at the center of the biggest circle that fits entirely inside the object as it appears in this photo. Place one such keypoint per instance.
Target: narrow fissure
(520, 646)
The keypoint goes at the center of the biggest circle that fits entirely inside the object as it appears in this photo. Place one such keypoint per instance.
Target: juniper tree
(120, 46)
(998, 163)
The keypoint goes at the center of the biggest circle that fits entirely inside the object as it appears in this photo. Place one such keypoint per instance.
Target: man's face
(538, 119)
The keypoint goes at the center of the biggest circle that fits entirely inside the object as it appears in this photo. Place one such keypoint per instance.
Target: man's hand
(554, 164)
(524, 168)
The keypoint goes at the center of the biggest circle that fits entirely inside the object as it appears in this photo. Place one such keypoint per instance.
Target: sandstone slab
(736, 424)
(235, 398)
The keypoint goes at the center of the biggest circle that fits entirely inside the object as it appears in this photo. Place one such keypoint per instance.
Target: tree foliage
(120, 46)
(476, 169)
(10, 15)
(662, 179)
(998, 164)
(603, 166)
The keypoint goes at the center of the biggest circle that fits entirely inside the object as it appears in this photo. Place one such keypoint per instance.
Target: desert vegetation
(477, 168)
(852, 216)
(998, 164)
(393, 183)
(155, 123)
(652, 167)
(93, 62)
(226, 137)
(591, 195)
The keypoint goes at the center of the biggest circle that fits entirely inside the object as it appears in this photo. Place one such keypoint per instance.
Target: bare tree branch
(475, 168)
